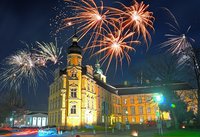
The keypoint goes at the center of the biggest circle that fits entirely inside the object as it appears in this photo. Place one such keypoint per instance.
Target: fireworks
(88, 16)
(48, 52)
(25, 66)
(20, 67)
(98, 20)
(178, 43)
(137, 18)
(115, 44)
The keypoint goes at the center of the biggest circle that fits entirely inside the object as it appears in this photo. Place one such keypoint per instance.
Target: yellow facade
(78, 92)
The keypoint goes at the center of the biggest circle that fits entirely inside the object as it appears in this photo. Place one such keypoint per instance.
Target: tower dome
(74, 48)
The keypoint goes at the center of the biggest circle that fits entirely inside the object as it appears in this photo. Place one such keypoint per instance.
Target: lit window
(148, 99)
(132, 100)
(88, 86)
(139, 99)
(133, 119)
(125, 111)
(102, 119)
(125, 101)
(74, 74)
(132, 110)
(73, 109)
(141, 119)
(140, 109)
(73, 93)
(88, 101)
(148, 110)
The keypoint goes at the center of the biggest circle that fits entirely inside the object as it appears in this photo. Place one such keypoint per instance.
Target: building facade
(80, 96)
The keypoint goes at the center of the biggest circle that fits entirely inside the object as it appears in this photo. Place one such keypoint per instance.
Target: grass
(97, 128)
(181, 133)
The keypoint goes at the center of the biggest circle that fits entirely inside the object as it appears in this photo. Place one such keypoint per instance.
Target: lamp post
(158, 98)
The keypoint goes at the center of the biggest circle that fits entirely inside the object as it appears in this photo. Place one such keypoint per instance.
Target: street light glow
(158, 98)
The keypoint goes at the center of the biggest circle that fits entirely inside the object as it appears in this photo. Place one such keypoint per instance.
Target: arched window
(73, 109)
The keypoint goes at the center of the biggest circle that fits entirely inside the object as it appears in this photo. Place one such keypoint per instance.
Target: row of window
(140, 110)
(54, 118)
(56, 86)
(139, 100)
(141, 119)
(55, 103)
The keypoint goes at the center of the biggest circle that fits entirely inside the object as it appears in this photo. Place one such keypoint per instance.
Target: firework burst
(115, 44)
(178, 43)
(19, 68)
(136, 18)
(28, 66)
(47, 52)
(88, 16)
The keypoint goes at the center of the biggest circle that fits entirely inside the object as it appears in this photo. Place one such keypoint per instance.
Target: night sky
(29, 21)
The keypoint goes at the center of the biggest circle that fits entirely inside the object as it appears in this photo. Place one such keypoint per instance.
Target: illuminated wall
(138, 108)
(78, 92)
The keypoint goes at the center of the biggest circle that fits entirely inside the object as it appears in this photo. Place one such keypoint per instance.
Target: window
(132, 100)
(74, 74)
(140, 109)
(139, 99)
(125, 110)
(149, 118)
(148, 99)
(102, 119)
(125, 101)
(88, 86)
(88, 101)
(92, 103)
(132, 110)
(92, 88)
(148, 110)
(73, 109)
(155, 109)
(133, 120)
(73, 93)
(59, 117)
(141, 119)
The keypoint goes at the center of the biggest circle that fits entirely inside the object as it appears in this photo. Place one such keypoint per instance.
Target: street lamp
(158, 98)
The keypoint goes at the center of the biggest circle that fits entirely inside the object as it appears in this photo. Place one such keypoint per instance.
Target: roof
(33, 113)
(106, 86)
(152, 88)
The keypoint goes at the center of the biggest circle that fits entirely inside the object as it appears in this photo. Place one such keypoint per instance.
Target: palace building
(80, 95)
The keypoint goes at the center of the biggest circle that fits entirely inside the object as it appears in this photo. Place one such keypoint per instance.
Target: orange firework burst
(88, 16)
(137, 18)
(115, 44)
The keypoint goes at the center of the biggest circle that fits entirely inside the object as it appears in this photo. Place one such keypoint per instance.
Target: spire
(75, 38)
(74, 48)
